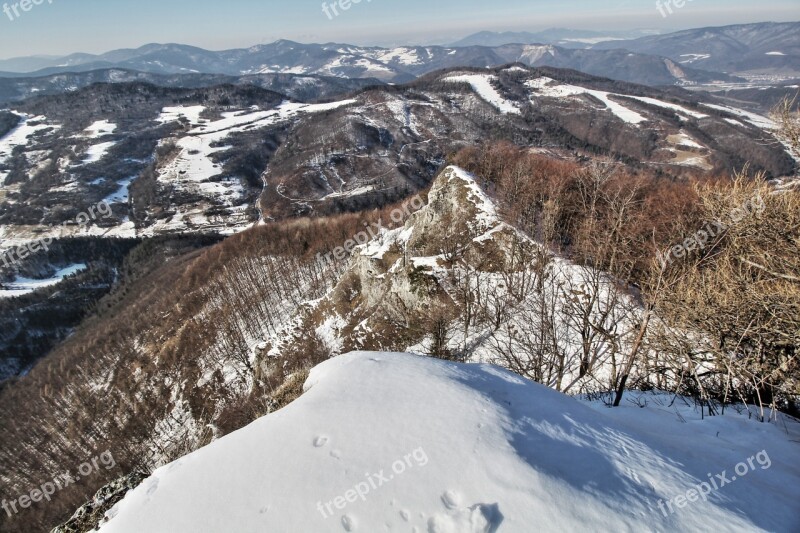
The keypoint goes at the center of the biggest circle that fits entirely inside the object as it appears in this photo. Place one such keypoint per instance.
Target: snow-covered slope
(22, 285)
(394, 442)
(482, 84)
(384, 298)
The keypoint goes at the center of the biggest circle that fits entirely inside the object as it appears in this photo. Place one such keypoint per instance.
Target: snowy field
(394, 442)
(549, 87)
(20, 136)
(482, 84)
(21, 286)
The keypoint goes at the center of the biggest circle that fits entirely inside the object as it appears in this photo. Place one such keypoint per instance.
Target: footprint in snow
(320, 441)
(152, 486)
(348, 523)
(478, 518)
(405, 515)
(451, 499)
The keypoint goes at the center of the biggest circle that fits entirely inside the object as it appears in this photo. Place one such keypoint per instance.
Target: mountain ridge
(767, 47)
(395, 65)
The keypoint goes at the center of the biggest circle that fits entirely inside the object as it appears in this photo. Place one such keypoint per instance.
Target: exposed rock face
(457, 282)
(92, 513)
(402, 282)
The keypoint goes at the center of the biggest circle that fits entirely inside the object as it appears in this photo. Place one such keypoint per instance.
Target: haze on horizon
(59, 28)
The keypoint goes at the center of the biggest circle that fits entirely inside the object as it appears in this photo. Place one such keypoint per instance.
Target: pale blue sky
(59, 27)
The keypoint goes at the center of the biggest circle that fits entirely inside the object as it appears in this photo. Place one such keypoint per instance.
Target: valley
(512, 281)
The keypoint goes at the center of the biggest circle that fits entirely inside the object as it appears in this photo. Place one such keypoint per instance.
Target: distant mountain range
(389, 65)
(763, 51)
(559, 36)
(299, 87)
(747, 48)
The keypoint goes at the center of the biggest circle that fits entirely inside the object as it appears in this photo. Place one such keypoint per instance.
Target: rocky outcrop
(400, 284)
(93, 513)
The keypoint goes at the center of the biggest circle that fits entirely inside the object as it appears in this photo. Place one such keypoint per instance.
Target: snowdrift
(395, 442)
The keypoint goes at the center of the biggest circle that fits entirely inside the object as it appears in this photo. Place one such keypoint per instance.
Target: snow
(394, 442)
(667, 105)
(239, 121)
(19, 136)
(404, 56)
(734, 122)
(487, 212)
(96, 152)
(431, 262)
(482, 84)
(193, 167)
(377, 248)
(121, 196)
(194, 161)
(545, 87)
(549, 87)
(683, 139)
(21, 286)
(691, 58)
(171, 114)
(358, 191)
(100, 128)
(533, 53)
(752, 118)
(692, 161)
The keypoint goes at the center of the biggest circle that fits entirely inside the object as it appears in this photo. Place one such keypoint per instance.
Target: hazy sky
(59, 27)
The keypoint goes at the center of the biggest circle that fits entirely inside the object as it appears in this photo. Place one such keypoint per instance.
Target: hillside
(205, 341)
(173, 160)
(469, 448)
(298, 87)
(762, 49)
(444, 267)
(391, 65)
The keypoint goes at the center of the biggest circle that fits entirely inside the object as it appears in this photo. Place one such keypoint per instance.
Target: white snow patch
(482, 84)
(683, 139)
(171, 114)
(21, 286)
(19, 136)
(466, 449)
(99, 129)
(549, 87)
(667, 105)
(121, 196)
(691, 58)
(753, 118)
(96, 152)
